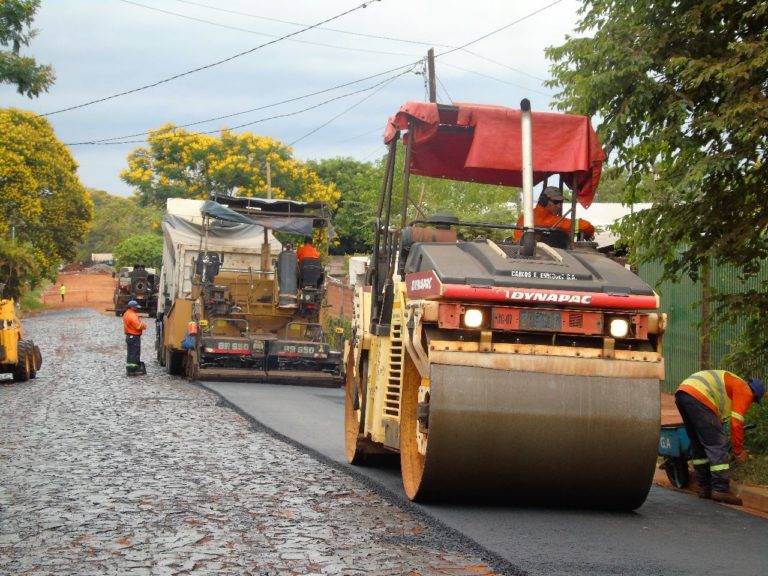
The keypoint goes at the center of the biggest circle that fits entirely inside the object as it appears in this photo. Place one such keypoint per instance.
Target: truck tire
(21, 373)
(159, 346)
(30, 352)
(174, 362)
(37, 357)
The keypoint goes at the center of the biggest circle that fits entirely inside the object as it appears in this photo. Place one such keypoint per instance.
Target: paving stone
(106, 474)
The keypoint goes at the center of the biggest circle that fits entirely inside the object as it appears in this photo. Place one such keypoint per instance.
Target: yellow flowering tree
(45, 211)
(181, 164)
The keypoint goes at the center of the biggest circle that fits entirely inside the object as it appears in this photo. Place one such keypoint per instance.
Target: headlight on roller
(619, 327)
(473, 317)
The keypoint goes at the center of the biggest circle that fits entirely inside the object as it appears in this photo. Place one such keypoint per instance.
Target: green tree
(15, 21)
(144, 249)
(614, 183)
(43, 205)
(358, 184)
(116, 219)
(468, 201)
(181, 164)
(682, 87)
(18, 268)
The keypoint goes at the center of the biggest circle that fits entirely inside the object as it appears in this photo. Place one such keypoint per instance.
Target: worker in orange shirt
(547, 215)
(706, 400)
(306, 250)
(133, 328)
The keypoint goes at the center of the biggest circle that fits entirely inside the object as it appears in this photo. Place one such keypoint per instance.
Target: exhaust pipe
(527, 147)
(528, 239)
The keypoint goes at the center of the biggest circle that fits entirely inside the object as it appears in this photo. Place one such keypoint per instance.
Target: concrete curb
(755, 497)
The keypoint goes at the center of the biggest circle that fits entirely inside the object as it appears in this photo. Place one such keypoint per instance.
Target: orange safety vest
(727, 395)
(132, 324)
(306, 251)
(543, 218)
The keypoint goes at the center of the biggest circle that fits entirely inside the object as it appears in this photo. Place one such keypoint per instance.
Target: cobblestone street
(105, 474)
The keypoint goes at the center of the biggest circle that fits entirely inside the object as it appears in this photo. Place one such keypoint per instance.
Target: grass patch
(31, 301)
(754, 471)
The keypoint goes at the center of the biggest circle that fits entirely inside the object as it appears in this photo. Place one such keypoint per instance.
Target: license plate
(549, 320)
(298, 350)
(227, 346)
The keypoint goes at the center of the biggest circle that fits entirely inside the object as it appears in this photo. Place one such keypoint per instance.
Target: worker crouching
(133, 328)
(706, 400)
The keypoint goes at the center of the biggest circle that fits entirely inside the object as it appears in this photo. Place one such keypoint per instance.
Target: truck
(19, 356)
(499, 370)
(138, 283)
(235, 304)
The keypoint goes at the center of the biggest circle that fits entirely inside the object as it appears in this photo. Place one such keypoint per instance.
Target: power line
(106, 141)
(444, 88)
(259, 121)
(381, 87)
(266, 106)
(476, 40)
(378, 37)
(497, 79)
(238, 29)
(375, 36)
(177, 76)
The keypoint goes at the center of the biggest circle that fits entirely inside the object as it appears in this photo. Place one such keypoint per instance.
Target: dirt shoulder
(84, 289)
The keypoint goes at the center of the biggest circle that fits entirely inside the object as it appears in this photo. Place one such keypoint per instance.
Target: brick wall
(339, 300)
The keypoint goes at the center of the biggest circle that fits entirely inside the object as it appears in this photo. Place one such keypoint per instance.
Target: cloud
(102, 48)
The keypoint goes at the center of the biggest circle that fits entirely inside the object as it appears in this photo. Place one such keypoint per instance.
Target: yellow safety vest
(711, 384)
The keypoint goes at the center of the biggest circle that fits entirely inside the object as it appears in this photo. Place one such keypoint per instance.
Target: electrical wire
(364, 35)
(206, 67)
(238, 29)
(497, 79)
(444, 88)
(259, 121)
(323, 125)
(106, 141)
(476, 40)
(264, 107)
(378, 37)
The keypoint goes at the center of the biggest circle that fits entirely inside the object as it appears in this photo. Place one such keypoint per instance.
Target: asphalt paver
(101, 473)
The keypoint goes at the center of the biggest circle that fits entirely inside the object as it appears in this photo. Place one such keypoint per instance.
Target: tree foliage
(15, 20)
(468, 201)
(681, 86)
(181, 164)
(18, 268)
(146, 249)
(358, 184)
(44, 209)
(613, 186)
(116, 219)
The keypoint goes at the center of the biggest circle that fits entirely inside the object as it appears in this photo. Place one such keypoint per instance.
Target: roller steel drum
(533, 437)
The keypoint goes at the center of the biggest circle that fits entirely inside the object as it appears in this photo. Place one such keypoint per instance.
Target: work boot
(705, 492)
(727, 498)
(131, 369)
(142, 369)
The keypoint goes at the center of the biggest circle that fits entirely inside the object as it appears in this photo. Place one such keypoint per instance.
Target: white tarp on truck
(238, 245)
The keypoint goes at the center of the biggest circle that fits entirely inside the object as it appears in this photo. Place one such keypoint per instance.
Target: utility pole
(269, 181)
(431, 75)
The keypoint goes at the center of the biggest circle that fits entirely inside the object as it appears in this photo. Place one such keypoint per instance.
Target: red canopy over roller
(479, 143)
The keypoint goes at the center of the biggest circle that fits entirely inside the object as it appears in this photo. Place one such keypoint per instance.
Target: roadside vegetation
(678, 91)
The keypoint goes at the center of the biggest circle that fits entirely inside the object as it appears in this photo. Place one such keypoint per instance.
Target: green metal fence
(683, 349)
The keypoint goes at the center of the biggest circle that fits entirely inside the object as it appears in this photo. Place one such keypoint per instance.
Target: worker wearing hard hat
(133, 328)
(306, 250)
(706, 400)
(547, 215)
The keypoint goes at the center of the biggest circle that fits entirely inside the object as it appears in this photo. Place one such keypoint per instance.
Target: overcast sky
(100, 48)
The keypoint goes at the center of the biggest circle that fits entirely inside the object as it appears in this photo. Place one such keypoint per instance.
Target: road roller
(518, 371)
